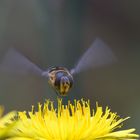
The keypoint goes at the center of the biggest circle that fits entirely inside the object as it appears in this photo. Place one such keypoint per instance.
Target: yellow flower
(70, 122)
(6, 123)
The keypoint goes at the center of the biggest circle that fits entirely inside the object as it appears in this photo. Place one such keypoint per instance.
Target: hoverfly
(60, 78)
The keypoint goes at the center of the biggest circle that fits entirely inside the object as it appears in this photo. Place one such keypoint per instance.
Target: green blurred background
(57, 32)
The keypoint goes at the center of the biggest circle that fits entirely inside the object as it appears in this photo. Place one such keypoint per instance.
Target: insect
(60, 78)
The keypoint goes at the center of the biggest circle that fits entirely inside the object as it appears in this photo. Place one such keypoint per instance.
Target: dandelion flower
(70, 122)
(6, 123)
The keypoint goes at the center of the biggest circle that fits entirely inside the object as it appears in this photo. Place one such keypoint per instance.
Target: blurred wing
(97, 55)
(16, 63)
